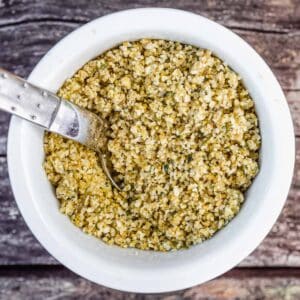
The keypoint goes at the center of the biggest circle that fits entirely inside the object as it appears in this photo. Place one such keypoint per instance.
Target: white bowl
(146, 271)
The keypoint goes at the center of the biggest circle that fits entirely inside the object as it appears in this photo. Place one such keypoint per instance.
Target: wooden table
(29, 28)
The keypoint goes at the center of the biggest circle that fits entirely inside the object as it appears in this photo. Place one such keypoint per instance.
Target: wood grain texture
(59, 283)
(17, 244)
(280, 248)
(31, 39)
(271, 15)
(29, 43)
(293, 98)
(4, 123)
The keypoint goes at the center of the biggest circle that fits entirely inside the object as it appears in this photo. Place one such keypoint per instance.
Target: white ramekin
(146, 271)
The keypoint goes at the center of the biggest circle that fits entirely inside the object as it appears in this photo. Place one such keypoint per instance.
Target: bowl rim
(34, 221)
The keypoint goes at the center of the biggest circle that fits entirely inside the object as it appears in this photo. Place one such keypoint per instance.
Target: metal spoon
(43, 108)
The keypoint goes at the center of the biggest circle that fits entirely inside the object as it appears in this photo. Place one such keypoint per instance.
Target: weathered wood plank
(282, 245)
(280, 248)
(59, 283)
(272, 15)
(283, 59)
(4, 123)
(23, 45)
(17, 244)
(293, 98)
(275, 288)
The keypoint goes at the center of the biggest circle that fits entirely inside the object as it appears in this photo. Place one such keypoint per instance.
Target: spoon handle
(41, 107)
(25, 100)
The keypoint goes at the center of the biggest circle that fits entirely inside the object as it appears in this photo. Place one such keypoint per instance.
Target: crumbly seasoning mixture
(183, 138)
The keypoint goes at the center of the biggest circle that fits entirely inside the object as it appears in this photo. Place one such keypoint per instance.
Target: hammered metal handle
(27, 101)
(41, 107)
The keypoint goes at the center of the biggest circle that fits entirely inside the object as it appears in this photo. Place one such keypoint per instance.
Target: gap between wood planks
(78, 22)
(43, 21)
(238, 272)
